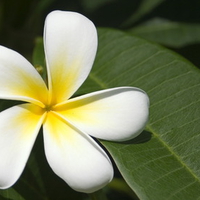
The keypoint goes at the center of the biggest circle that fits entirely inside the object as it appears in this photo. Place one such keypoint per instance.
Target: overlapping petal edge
(118, 114)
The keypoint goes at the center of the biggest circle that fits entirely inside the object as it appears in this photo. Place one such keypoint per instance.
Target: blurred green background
(21, 21)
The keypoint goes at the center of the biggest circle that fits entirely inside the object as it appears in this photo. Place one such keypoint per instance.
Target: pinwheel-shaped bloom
(118, 114)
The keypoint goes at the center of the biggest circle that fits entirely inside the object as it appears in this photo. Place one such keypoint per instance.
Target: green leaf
(144, 8)
(172, 34)
(38, 53)
(10, 194)
(38, 58)
(163, 162)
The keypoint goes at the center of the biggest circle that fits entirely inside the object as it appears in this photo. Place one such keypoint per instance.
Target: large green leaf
(165, 32)
(163, 162)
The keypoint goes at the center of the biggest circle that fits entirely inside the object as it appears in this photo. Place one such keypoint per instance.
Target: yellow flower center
(48, 108)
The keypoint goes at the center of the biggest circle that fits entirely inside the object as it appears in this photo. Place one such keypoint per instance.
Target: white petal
(75, 157)
(70, 47)
(19, 80)
(19, 127)
(115, 114)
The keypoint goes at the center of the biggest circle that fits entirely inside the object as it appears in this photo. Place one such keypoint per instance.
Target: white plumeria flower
(118, 114)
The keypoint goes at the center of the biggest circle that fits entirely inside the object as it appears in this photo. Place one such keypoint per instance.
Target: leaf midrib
(178, 158)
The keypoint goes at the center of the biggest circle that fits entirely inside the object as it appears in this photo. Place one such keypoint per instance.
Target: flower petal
(75, 157)
(19, 127)
(70, 47)
(19, 80)
(114, 114)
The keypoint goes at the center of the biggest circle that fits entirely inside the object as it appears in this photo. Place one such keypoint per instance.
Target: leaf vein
(137, 65)
(180, 190)
(166, 174)
(174, 94)
(153, 71)
(178, 158)
(169, 79)
(177, 111)
(97, 80)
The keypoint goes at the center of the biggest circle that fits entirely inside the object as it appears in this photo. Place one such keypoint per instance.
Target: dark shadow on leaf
(145, 136)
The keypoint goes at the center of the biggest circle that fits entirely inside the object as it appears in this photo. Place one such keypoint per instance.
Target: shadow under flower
(145, 136)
